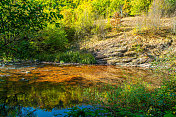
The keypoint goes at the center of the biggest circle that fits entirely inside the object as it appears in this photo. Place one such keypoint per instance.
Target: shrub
(67, 57)
(45, 57)
(100, 28)
(140, 6)
(84, 20)
(170, 6)
(116, 6)
(51, 40)
(163, 7)
(68, 17)
(75, 57)
(136, 99)
(100, 7)
(20, 20)
(70, 34)
(126, 7)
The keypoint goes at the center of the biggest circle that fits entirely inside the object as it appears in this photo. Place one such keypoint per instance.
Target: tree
(139, 6)
(21, 18)
(126, 7)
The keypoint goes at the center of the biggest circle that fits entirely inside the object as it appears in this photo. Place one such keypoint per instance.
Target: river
(49, 90)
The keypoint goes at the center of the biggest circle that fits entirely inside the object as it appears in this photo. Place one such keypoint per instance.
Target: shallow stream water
(48, 90)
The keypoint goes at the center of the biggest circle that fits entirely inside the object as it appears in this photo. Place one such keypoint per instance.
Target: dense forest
(48, 30)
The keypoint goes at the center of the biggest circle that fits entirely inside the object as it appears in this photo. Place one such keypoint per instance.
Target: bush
(136, 99)
(21, 20)
(68, 17)
(67, 57)
(163, 7)
(140, 6)
(126, 7)
(84, 20)
(101, 27)
(170, 6)
(116, 5)
(100, 7)
(20, 49)
(70, 34)
(75, 57)
(51, 40)
(45, 57)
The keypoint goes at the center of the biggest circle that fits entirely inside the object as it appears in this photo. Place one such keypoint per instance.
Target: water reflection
(50, 89)
(17, 97)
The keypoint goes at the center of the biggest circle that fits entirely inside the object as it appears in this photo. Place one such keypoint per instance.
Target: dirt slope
(137, 42)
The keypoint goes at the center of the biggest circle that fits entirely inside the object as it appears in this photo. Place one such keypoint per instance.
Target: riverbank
(130, 46)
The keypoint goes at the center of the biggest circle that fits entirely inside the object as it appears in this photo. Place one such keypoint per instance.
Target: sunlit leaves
(22, 16)
(139, 6)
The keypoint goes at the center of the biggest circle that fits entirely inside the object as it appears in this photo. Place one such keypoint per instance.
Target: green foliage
(100, 7)
(87, 112)
(22, 17)
(80, 19)
(126, 7)
(70, 34)
(116, 6)
(100, 28)
(75, 57)
(68, 17)
(136, 99)
(163, 8)
(84, 20)
(51, 40)
(67, 57)
(21, 50)
(45, 57)
(140, 6)
(170, 6)
(20, 20)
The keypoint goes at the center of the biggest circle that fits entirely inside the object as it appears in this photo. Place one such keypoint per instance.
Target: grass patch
(132, 100)
(68, 57)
